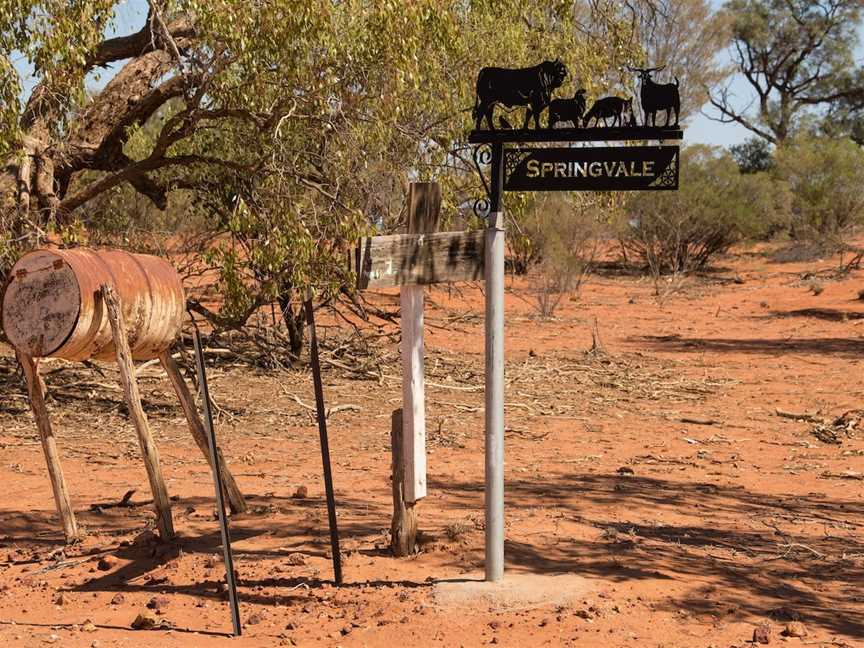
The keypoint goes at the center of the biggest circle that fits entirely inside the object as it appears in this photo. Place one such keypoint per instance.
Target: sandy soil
(659, 473)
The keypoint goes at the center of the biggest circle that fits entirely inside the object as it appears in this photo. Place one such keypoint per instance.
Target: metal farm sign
(627, 168)
(571, 147)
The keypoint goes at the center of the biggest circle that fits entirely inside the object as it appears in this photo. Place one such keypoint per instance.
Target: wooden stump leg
(49, 447)
(403, 530)
(232, 491)
(136, 413)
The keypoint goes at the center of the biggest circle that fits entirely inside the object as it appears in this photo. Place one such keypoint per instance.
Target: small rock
(795, 629)
(296, 559)
(255, 618)
(762, 634)
(60, 599)
(494, 624)
(144, 621)
(106, 563)
(158, 603)
(210, 562)
(118, 599)
(301, 493)
(88, 626)
(346, 630)
(624, 470)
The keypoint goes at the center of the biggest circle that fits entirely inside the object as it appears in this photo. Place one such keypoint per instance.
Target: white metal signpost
(546, 169)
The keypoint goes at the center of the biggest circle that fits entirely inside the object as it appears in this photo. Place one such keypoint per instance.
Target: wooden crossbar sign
(410, 261)
(419, 259)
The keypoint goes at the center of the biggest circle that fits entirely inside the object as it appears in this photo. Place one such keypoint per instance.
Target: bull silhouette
(531, 87)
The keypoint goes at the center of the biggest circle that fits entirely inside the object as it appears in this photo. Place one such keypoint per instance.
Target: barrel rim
(8, 284)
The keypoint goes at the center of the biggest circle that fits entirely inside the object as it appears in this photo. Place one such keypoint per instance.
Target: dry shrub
(824, 176)
(715, 207)
(566, 235)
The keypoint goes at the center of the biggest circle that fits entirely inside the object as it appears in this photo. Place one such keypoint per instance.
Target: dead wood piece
(826, 434)
(700, 421)
(849, 474)
(803, 416)
(597, 347)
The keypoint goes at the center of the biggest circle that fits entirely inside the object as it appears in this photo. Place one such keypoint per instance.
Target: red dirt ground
(690, 535)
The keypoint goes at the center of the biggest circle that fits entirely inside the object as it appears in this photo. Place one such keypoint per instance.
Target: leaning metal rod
(217, 480)
(322, 434)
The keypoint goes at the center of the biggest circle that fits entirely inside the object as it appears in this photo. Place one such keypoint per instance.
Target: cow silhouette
(564, 110)
(611, 107)
(531, 87)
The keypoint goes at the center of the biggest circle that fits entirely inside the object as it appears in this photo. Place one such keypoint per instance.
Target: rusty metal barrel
(52, 305)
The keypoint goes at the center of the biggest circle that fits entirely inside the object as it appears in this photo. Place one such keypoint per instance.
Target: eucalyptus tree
(797, 57)
(287, 126)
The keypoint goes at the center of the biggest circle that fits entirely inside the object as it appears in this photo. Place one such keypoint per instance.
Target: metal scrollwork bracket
(482, 157)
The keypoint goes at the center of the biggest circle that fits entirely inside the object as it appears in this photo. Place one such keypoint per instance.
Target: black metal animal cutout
(658, 96)
(567, 110)
(531, 87)
(614, 108)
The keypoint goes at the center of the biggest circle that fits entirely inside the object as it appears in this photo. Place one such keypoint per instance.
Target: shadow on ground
(758, 554)
(841, 347)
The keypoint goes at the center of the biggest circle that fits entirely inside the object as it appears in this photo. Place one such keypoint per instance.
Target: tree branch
(732, 116)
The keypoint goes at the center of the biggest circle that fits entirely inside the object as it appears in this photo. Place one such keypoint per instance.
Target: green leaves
(825, 177)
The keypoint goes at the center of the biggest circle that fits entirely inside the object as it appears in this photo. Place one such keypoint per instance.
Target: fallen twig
(804, 416)
(700, 421)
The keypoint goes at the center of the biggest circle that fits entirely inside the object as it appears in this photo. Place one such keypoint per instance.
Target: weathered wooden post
(424, 214)
(49, 446)
(139, 419)
(403, 528)
(236, 501)
(411, 261)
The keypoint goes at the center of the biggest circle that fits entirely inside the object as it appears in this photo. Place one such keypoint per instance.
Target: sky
(699, 128)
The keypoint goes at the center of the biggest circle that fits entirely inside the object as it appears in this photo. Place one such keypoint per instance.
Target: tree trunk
(294, 322)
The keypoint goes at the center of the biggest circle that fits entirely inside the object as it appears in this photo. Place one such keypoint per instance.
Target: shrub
(565, 234)
(824, 177)
(753, 155)
(715, 207)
